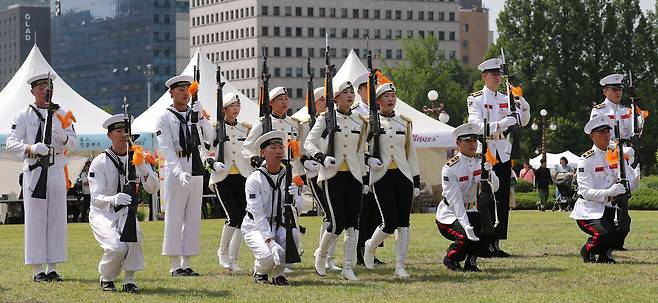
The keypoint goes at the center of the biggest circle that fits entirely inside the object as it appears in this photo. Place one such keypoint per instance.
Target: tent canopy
(146, 122)
(16, 96)
(553, 160)
(428, 132)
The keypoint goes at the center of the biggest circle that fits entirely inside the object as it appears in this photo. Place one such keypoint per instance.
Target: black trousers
(394, 194)
(503, 171)
(602, 232)
(369, 219)
(230, 193)
(624, 220)
(318, 196)
(343, 195)
(462, 246)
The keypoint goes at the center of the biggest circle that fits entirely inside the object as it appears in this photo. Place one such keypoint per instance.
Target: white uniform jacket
(494, 106)
(396, 148)
(461, 178)
(262, 202)
(287, 125)
(235, 162)
(594, 176)
(349, 144)
(617, 112)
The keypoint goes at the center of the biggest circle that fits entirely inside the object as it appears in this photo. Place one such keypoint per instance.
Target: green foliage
(523, 186)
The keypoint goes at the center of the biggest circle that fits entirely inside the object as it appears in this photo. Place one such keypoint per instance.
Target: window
(451, 16)
(398, 15)
(442, 16)
(442, 35)
(300, 93)
(364, 13)
(430, 16)
(398, 54)
(465, 44)
(298, 31)
(277, 31)
(309, 12)
(465, 59)
(466, 27)
(310, 32)
(398, 34)
(332, 12)
(389, 54)
(355, 13)
(332, 33)
(343, 33)
(311, 52)
(452, 54)
(299, 73)
(344, 52)
(421, 34)
(377, 16)
(277, 52)
(366, 33)
(288, 72)
(410, 15)
(343, 13)
(298, 11)
(275, 11)
(298, 52)
(452, 36)
(277, 72)
(355, 33)
(389, 34)
(389, 14)
(410, 34)
(288, 11)
(323, 32)
(378, 33)
(322, 12)
(421, 15)
(288, 31)
(288, 51)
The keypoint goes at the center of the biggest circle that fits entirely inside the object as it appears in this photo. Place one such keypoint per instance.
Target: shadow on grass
(176, 292)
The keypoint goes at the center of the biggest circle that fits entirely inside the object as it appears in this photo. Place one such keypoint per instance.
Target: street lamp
(433, 109)
(149, 76)
(543, 123)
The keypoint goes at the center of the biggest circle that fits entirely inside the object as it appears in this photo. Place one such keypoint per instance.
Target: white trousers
(182, 217)
(45, 219)
(117, 255)
(264, 263)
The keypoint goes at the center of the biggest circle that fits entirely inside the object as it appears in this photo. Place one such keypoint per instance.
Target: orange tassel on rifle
(150, 159)
(66, 120)
(381, 79)
(490, 158)
(517, 91)
(193, 88)
(138, 155)
(639, 111)
(298, 181)
(295, 147)
(612, 155)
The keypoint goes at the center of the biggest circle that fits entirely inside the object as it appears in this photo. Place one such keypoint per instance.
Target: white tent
(146, 122)
(553, 160)
(431, 138)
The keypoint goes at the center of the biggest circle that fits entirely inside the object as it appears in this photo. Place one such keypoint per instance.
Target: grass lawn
(545, 267)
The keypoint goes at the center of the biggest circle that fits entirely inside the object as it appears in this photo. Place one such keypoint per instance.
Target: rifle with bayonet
(636, 137)
(220, 126)
(513, 130)
(265, 110)
(310, 96)
(197, 145)
(130, 185)
(621, 201)
(331, 125)
(47, 160)
(485, 199)
(375, 124)
(289, 213)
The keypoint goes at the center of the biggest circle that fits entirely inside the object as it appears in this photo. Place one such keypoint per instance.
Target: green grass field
(545, 267)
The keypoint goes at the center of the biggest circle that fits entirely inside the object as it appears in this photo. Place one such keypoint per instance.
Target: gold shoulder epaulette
(476, 94)
(364, 118)
(588, 153)
(406, 118)
(452, 161)
(599, 106)
(247, 125)
(478, 155)
(355, 105)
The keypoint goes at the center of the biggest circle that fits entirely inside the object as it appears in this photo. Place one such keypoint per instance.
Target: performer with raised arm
(40, 141)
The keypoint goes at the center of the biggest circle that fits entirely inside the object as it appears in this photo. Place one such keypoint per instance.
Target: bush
(523, 186)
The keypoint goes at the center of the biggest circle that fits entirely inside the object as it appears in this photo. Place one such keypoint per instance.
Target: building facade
(101, 48)
(21, 26)
(474, 32)
(232, 34)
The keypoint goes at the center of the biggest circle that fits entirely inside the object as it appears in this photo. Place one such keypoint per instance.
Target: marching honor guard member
(612, 107)
(265, 191)
(342, 175)
(598, 185)
(107, 174)
(182, 192)
(44, 202)
(494, 106)
(228, 180)
(461, 177)
(394, 178)
(361, 105)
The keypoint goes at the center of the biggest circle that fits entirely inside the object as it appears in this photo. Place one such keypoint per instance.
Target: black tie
(184, 137)
(39, 136)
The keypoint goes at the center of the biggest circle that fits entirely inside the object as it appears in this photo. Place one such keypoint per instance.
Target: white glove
(374, 163)
(142, 170)
(366, 189)
(293, 190)
(197, 107)
(470, 233)
(219, 167)
(488, 166)
(615, 190)
(630, 153)
(311, 165)
(121, 199)
(277, 252)
(416, 192)
(39, 149)
(59, 135)
(330, 162)
(184, 179)
(506, 122)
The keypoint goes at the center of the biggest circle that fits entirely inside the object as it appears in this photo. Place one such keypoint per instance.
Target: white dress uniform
(260, 223)
(182, 203)
(45, 220)
(106, 223)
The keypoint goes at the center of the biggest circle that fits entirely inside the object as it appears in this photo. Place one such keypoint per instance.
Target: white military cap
(277, 91)
(37, 79)
(386, 87)
(467, 130)
(318, 92)
(341, 87)
(360, 79)
(614, 80)
(230, 98)
(493, 64)
(178, 81)
(598, 123)
(114, 122)
(269, 138)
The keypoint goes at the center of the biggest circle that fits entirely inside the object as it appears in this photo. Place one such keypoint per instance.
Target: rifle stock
(220, 126)
(197, 145)
(292, 252)
(485, 198)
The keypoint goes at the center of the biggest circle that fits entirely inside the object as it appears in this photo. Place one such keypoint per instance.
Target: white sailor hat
(269, 138)
(341, 87)
(614, 80)
(40, 78)
(231, 98)
(318, 92)
(598, 123)
(114, 122)
(361, 79)
(277, 91)
(493, 64)
(386, 87)
(467, 130)
(178, 81)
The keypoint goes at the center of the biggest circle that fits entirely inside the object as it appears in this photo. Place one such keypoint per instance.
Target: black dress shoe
(499, 253)
(377, 261)
(587, 257)
(179, 272)
(191, 273)
(473, 268)
(261, 279)
(40, 277)
(606, 258)
(108, 286)
(451, 264)
(280, 281)
(131, 288)
(54, 276)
